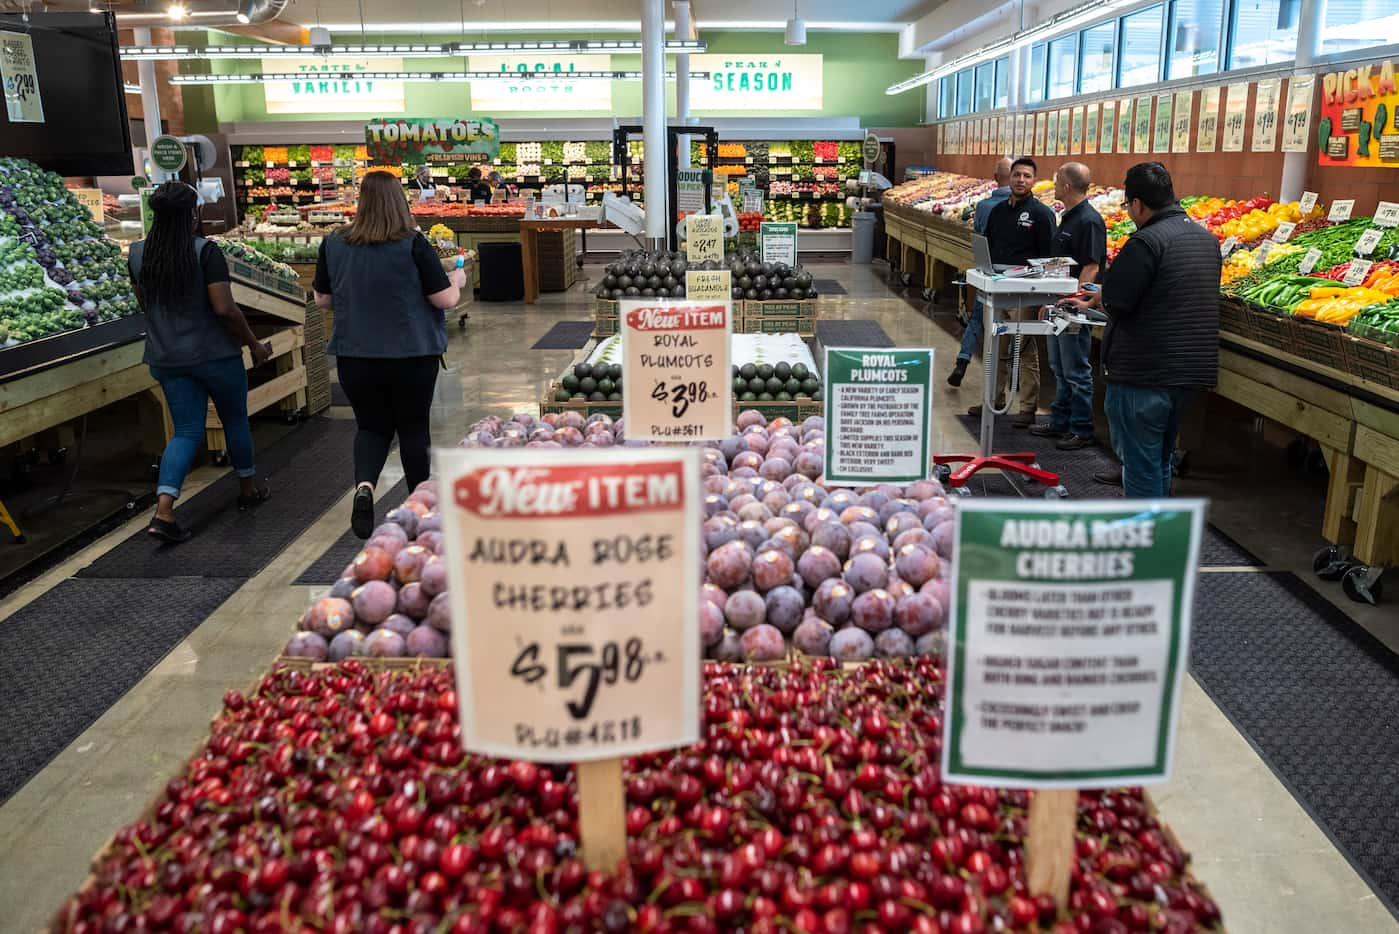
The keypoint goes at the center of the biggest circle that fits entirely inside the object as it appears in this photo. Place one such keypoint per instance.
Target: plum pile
(555, 430)
(341, 800)
(391, 601)
(833, 572)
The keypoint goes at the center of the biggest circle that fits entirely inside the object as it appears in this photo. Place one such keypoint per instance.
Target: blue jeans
(1144, 422)
(187, 393)
(973, 334)
(1073, 382)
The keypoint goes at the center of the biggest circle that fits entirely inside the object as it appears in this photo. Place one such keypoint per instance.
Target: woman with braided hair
(195, 335)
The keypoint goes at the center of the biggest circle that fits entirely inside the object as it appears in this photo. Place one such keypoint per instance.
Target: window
(985, 86)
(947, 96)
(1036, 79)
(1002, 83)
(1265, 31)
(1095, 47)
(964, 91)
(1139, 47)
(1358, 24)
(1061, 66)
(1192, 47)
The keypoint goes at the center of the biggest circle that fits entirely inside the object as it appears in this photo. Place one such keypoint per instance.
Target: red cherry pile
(341, 800)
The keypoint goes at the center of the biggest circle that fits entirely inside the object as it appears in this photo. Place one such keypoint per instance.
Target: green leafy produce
(803, 150)
(551, 151)
(507, 153)
(344, 153)
(253, 154)
(598, 151)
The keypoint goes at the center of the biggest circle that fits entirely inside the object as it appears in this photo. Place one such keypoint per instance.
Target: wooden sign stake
(602, 828)
(1050, 842)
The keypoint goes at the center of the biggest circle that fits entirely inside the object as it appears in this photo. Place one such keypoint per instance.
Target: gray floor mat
(859, 332)
(566, 335)
(307, 471)
(78, 648)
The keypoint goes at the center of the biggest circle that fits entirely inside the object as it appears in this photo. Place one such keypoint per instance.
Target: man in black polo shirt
(1082, 236)
(1019, 228)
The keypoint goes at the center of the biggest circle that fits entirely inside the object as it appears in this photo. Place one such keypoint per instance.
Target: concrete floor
(1268, 865)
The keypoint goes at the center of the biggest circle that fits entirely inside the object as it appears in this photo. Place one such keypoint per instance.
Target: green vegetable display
(1379, 323)
(1283, 293)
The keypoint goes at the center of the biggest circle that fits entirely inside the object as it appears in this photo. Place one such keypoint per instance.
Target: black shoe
(362, 514)
(958, 371)
(1023, 420)
(169, 532)
(1109, 479)
(1073, 442)
(1046, 431)
(974, 410)
(261, 495)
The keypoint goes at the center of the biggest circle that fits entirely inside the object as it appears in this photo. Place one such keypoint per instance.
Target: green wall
(856, 68)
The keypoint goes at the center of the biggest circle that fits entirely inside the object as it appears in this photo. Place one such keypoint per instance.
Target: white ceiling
(597, 15)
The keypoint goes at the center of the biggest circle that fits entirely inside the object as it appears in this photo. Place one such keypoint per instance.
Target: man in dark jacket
(1161, 346)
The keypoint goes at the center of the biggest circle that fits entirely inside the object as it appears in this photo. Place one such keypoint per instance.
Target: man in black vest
(1161, 345)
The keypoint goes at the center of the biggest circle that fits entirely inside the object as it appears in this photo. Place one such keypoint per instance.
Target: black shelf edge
(35, 356)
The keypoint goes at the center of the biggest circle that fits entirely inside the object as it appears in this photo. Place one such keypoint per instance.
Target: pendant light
(796, 28)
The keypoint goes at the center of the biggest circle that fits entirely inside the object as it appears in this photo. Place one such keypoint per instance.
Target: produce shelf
(30, 357)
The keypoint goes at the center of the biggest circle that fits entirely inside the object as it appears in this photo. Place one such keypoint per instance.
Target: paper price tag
(90, 198)
(1368, 241)
(1309, 261)
(1228, 245)
(1387, 214)
(1340, 210)
(1356, 272)
(1307, 203)
(676, 357)
(610, 669)
(1284, 232)
(704, 237)
(1260, 256)
(708, 285)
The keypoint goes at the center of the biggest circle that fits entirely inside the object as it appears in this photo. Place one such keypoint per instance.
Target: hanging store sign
(1107, 127)
(1076, 133)
(1180, 121)
(23, 103)
(419, 140)
(1070, 633)
(1051, 134)
(1090, 130)
(1265, 115)
(1141, 126)
(1235, 115)
(756, 82)
(519, 87)
(1297, 115)
(1359, 123)
(1124, 126)
(1208, 129)
(1161, 127)
(330, 85)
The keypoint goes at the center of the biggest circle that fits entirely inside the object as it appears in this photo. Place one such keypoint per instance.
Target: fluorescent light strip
(401, 50)
(448, 76)
(1070, 20)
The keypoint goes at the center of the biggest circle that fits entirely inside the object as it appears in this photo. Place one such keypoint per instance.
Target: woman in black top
(389, 291)
(195, 337)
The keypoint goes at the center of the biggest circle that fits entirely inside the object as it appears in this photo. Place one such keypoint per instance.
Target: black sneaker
(1046, 431)
(1113, 478)
(168, 532)
(362, 513)
(959, 370)
(261, 495)
(1023, 420)
(1073, 442)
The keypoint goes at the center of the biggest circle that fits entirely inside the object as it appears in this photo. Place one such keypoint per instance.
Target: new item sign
(332, 85)
(1070, 632)
(756, 82)
(574, 600)
(676, 357)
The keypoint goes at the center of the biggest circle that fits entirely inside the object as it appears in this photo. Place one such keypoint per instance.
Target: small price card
(1284, 232)
(676, 357)
(1260, 256)
(1228, 245)
(1307, 203)
(1387, 214)
(1340, 210)
(708, 285)
(1368, 241)
(704, 238)
(1356, 272)
(1309, 261)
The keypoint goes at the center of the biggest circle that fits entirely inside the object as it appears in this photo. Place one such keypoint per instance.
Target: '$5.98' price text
(593, 665)
(681, 395)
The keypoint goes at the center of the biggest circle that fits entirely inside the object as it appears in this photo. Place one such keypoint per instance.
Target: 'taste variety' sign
(332, 85)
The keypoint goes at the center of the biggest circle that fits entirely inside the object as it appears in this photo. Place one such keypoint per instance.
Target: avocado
(784, 397)
(793, 385)
(783, 370)
(569, 382)
(800, 371)
(765, 397)
(757, 385)
(562, 395)
(747, 397)
(597, 397)
(615, 397)
(811, 385)
(614, 372)
(740, 384)
(587, 385)
(774, 385)
(582, 370)
(748, 371)
(606, 386)
(765, 370)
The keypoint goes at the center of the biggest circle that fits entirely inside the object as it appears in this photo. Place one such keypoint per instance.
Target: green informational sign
(168, 154)
(416, 140)
(147, 216)
(777, 242)
(870, 150)
(878, 415)
(1124, 126)
(1070, 626)
(1141, 133)
(1161, 129)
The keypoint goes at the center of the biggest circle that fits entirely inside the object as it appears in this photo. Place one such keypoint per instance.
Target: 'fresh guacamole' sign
(756, 82)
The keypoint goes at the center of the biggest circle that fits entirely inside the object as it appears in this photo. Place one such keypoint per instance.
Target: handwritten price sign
(676, 357)
(576, 638)
(20, 78)
(1309, 261)
(1368, 241)
(1387, 214)
(704, 238)
(1340, 210)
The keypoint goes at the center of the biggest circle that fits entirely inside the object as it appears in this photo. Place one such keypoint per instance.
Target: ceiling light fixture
(402, 50)
(796, 29)
(244, 14)
(177, 11)
(421, 76)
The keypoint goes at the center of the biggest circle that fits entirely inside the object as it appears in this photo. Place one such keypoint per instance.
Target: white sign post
(588, 672)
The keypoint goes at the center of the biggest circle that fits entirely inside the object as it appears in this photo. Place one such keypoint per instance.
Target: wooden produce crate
(1235, 319)
(605, 317)
(266, 281)
(777, 317)
(797, 410)
(416, 663)
(556, 259)
(1271, 329)
(548, 405)
(280, 381)
(1318, 342)
(317, 366)
(1370, 360)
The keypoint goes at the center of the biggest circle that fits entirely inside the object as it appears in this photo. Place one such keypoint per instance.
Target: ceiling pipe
(207, 15)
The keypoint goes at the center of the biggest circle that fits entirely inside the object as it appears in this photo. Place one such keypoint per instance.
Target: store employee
(1019, 228)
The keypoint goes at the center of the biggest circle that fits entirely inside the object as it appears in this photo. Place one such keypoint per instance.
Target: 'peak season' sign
(756, 82)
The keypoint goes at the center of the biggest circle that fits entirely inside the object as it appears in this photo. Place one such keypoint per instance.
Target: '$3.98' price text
(681, 395)
(594, 665)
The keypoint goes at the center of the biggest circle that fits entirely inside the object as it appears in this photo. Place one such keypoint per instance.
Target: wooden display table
(529, 246)
(939, 249)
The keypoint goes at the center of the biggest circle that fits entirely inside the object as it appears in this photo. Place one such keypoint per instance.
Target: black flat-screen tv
(77, 79)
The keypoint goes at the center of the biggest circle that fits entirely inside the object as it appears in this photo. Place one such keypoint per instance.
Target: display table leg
(529, 248)
(157, 428)
(1346, 478)
(1377, 522)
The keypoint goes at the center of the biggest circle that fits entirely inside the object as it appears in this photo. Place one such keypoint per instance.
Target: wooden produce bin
(605, 317)
(777, 317)
(548, 405)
